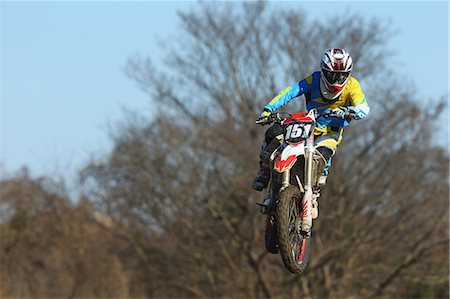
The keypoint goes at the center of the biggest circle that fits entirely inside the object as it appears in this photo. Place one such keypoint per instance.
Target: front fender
(288, 157)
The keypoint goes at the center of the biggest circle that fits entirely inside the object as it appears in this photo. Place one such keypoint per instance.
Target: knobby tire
(294, 262)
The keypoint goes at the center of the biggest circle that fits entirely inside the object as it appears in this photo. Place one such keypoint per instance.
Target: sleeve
(358, 101)
(287, 94)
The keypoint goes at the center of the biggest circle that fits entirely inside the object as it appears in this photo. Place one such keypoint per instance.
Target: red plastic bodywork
(281, 165)
(301, 116)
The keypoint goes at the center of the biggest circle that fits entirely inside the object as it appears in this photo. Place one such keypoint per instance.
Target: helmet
(336, 66)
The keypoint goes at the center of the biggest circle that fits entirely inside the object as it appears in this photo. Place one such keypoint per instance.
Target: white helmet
(336, 66)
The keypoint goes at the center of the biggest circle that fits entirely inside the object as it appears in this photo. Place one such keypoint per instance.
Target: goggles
(335, 77)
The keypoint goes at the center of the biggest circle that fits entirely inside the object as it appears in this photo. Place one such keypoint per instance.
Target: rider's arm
(360, 107)
(287, 94)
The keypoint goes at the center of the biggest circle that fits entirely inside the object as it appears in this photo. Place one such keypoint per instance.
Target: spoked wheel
(294, 248)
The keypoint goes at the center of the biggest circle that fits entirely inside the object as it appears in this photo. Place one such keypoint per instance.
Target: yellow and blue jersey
(352, 95)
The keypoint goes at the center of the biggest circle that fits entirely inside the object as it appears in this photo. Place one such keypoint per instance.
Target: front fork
(308, 196)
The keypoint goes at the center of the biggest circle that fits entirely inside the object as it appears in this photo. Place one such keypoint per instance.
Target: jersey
(352, 95)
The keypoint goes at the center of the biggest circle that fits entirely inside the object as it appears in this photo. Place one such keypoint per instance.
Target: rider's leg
(327, 145)
(327, 153)
(269, 145)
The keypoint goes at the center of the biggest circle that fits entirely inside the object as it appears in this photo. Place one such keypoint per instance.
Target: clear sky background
(62, 79)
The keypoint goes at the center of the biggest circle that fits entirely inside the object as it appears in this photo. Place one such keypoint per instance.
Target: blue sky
(62, 79)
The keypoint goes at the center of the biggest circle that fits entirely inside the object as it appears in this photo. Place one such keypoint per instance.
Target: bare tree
(51, 248)
(183, 178)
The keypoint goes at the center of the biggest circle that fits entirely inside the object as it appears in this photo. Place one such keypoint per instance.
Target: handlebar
(274, 117)
(279, 116)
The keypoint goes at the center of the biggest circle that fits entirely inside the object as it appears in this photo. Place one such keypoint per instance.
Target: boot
(262, 179)
(263, 176)
(323, 177)
(315, 204)
(315, 209)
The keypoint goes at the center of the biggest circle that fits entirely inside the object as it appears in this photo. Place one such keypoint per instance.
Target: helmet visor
(336, 77)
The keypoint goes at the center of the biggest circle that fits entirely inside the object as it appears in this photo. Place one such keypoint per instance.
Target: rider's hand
(264, 115)
(356, 113)
(340, 112)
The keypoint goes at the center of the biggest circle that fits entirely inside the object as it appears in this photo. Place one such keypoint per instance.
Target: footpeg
(264, 205)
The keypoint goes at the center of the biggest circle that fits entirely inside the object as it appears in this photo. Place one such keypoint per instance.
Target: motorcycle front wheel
(293, 247)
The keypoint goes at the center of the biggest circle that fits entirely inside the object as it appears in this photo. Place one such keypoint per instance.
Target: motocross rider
(332, 89)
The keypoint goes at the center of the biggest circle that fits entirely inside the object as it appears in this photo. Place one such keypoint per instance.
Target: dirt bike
(296, 168)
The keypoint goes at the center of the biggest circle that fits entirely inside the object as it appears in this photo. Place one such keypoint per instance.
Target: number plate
(294, 133)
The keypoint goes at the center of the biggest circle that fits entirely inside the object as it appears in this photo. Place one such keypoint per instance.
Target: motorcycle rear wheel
(294, 248)
(271, 234)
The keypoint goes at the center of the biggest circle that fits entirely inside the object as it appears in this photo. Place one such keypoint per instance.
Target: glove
(338, 112)
(265, 115)
(356, 112)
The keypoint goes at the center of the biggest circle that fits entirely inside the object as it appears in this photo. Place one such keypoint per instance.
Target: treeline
(169, 212)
